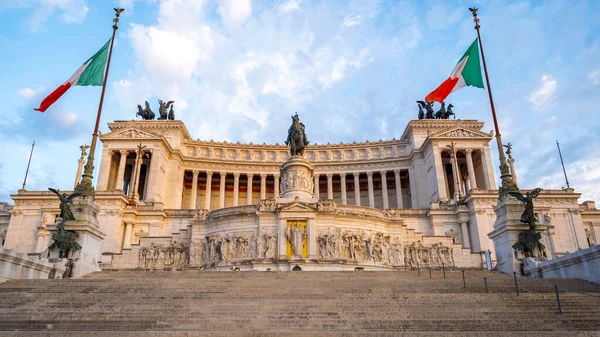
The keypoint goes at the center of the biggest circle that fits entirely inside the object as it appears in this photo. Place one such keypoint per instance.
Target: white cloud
(235, 12)
(26, 93)
(70, 11)
(594, 76)
(543, 98)
(290, 6)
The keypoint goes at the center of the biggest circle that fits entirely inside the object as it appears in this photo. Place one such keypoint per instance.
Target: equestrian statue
(296, 137)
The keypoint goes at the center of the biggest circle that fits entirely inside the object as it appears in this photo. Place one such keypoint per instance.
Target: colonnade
(456, 172)
(122, 170)
(381, 189)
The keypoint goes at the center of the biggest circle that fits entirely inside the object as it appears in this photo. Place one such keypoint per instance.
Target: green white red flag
(467, 72)
(90, 73)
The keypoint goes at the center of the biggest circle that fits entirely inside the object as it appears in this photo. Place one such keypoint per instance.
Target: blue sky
(238, 69)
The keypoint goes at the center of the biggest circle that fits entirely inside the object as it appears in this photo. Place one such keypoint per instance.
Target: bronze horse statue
(296, 137)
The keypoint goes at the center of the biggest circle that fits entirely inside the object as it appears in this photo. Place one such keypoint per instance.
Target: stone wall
(14, 265)
(584, 264)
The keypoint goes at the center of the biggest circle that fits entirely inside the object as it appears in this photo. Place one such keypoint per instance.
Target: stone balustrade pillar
(236, 189)
(356, 188)
(222, 189)
(343, 186)
(194, 189)
(384, 190)
(370, 185)
(208, 190)
(121, 171)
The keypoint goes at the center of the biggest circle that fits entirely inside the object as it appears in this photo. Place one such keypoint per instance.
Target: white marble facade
(221, 205)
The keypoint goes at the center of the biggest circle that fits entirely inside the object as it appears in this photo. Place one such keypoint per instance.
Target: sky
(238, 69)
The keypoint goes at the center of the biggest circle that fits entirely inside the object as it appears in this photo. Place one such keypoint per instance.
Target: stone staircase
(145, 303)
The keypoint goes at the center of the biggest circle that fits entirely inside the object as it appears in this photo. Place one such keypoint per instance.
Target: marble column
(440, 174)
(484, 167)
(330, 186)
(343, 185)
(455, 179)
(263, 186)
(194, 189)
(208, 190)
(446, 183)
(127, 238)
(121, 172)
(152, 174)
(371, 194)
(398, 189)
(316, 183)
(465, 235)
(222, 190)
(276, 186)
(384, 190)
(236, 189)
(470, 169)
(138, 169)
(80, 162)
(356, 189)
(249, 189)
(104, 170)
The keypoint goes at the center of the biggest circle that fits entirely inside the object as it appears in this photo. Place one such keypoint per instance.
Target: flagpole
(508, 184)
(29, 162)
(563, 164)
(85, 185)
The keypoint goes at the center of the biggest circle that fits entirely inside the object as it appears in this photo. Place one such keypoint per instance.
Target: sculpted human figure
(65, 200)
(528, 216)
(297, 239)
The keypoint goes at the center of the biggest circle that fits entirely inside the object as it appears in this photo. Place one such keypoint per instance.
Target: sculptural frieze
(426, 256)
(174, 255)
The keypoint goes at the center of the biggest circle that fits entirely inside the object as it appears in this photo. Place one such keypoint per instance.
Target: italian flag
(466, 72)
(90, 73)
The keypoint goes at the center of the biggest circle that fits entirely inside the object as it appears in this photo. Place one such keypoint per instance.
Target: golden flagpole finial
(118, 12)
(474, 11)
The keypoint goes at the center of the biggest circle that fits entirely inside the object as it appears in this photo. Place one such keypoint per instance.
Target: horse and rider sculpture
(296, 137)
(442, 113)
(147, 113)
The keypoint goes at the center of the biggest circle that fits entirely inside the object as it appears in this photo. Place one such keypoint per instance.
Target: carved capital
(343, 175)
(356, 175)
(276, 177)
(317, 176)
(124, 152)
(383, 173)
(369, 174)
(223, 174)
(263, 176)
(329, 175)
(397, 171)
(468, 151)
(236, 175)
(209, 174)
(195, 172)
(250, 175)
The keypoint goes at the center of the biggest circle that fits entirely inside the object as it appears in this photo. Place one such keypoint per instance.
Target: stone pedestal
(89, 236)
(506, 231)
(297, 180)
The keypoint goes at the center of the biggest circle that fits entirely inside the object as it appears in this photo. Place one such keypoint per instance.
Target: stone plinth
(89, 236)
(506, 231)
(297, 180)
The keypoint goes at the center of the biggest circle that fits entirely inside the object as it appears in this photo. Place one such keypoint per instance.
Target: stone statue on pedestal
(296, 236)
(529, 241)
(296, 137)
